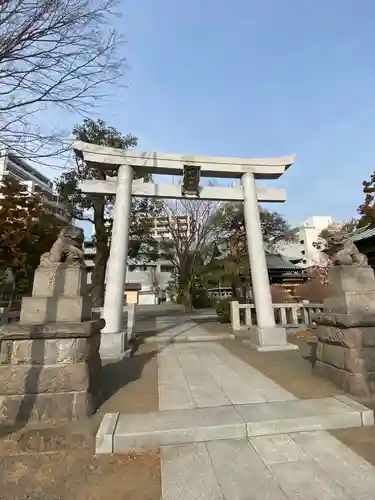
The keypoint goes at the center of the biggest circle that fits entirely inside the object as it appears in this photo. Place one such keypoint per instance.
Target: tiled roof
(277, 261)
(362, 234)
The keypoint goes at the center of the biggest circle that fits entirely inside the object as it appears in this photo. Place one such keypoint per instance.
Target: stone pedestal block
(50, 372)
(351, 303)
(50, 366)
(346, 331)
(55, 309)
(60, 280)
(350, 279)
(350, 359)
(60, 407)
(360, 385)
(353, 337)
(351, 290)
(344, 319)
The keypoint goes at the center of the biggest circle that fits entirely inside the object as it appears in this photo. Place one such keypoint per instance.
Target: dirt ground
(131, 386)
(79, 476)
(290, 369)
(77, 473)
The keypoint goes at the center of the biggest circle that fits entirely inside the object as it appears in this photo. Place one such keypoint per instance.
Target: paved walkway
(241, 431)
(297, 466)
(181, 328)
(199, 375)
(302, 466)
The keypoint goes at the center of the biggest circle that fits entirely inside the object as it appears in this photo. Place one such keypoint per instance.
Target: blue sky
(256, 78)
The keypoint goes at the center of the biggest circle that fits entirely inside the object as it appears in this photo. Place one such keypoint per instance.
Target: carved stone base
(351, 360)
(49, 373)
(60, 280)
(346, 351)
(360, 385)
(353, 338)
(46, 408)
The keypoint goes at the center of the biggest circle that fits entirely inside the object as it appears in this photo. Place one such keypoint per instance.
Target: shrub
(201, 300)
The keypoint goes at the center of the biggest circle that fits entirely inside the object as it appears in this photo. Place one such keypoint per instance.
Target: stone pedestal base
(113, 345)
(345, 352)
(359, 385)
(270, 339)
(50, 372)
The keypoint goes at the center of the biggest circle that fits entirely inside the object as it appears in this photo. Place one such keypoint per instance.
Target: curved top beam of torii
(173, 164)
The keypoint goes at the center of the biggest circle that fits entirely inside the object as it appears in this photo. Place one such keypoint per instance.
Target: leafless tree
(189, 228)
(53, 53)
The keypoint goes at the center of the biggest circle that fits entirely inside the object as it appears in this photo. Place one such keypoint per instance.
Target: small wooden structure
(282, 271)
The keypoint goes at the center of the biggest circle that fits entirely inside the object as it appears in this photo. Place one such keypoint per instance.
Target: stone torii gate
(266, 336)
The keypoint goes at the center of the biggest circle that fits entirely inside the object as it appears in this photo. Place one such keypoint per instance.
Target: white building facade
(19, 169)
(307, 236)
(152, 275)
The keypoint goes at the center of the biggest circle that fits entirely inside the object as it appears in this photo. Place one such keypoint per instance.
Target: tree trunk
(98, 274)
(187, 299)
(235, 284)
(101, 256)
(185, 292)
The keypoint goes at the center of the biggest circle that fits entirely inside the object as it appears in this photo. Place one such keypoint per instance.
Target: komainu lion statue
(67, 249)
(343, 252)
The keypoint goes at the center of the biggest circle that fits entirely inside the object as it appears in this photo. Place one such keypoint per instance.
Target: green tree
(27, 230)
(97, 208)
(230, 265)
(367, 208)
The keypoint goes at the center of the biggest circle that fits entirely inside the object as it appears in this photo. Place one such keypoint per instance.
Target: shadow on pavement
(311, 357)
(118, 374)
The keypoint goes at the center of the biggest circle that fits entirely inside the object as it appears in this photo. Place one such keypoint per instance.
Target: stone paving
(181, 328)
(303, 466)
(239, 433)
(206, 374)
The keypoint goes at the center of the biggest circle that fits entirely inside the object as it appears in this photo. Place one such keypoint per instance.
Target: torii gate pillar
(118, 255)
(266, 336)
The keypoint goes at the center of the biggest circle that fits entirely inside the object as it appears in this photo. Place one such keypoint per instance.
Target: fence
(243, 316)
(7, 316)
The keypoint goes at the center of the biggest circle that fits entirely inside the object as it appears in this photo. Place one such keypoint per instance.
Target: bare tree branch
(53, 53)
(189, 228)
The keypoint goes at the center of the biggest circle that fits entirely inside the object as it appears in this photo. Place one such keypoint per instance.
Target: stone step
(124, 433)
(188, 338)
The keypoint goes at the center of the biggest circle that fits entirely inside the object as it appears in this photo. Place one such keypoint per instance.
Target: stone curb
(366, 414)
(184, 338)
(105, 435)
(141, 432)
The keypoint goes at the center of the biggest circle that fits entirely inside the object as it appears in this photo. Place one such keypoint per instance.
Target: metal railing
(290, 315)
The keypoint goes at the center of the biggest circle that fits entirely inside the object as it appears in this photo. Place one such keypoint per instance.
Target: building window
(304, 261)
(303, 252)
(166, 269)
(302, 242)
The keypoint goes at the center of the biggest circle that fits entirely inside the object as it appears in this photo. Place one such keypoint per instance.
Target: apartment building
(153, 276)
(13, 165)
(303, 250)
